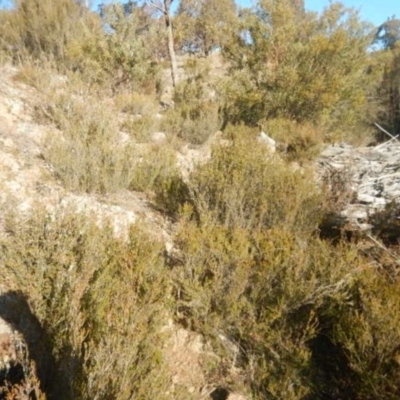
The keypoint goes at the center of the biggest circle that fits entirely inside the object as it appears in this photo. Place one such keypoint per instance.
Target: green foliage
(43, 27)
(265, 291)
(304, 69)
(369, 336)
(304, 316)
(100, 300)
(287, 314)
(388, 91)
(242, 186)
(204, 26)
(118, 57)
(196, 114)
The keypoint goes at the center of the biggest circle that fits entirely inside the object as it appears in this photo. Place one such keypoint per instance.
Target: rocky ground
(365, 182)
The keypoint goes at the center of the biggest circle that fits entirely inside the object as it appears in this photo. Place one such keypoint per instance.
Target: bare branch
(156, 6)
(385, 131)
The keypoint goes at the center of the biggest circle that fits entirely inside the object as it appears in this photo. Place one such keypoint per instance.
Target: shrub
(106, 52)
(100, 301)
(299, 66)
(140, 128)
(368, 335)
(243, 186)
(90, 155)
(194, 128)
(196, 115)
(137, 103)
(153, 168)
(43, 28)
(117, 57)
(300, 142)
(266, 292)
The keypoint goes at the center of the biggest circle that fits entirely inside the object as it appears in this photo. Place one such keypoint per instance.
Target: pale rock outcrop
(371, 173)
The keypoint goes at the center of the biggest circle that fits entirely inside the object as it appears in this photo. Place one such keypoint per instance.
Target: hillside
(230, 236)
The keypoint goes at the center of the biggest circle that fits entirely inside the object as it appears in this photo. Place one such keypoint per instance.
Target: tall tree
(164, 7)
(303, 69)
(388, 34)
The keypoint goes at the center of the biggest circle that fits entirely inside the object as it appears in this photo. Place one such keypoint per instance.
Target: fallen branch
(385, 131)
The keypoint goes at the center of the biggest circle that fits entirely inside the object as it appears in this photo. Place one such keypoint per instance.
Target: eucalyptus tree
(164, 8)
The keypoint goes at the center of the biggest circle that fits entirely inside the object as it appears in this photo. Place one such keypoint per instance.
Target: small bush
(194, 125)
(117, 57)
(368, 335)
(196, 115)
(75, 39)
(299, 141)
(243, 186)
(140, 128)
(43, 28)
(89, 154)
(137, 104)
(156, 165)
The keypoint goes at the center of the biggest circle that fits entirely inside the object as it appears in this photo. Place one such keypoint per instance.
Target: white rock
(264, 139)
(158, 137)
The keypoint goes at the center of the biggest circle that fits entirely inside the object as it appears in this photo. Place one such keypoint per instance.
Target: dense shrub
(101, 303)
(266, 292)
(106, 51)
(304, 317)
(368, 335)
(243, 186)
(89, 153)
(298, 141)
(44, 28)
(118, 56)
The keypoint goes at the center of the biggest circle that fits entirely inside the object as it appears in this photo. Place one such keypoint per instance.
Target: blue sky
(375, 11)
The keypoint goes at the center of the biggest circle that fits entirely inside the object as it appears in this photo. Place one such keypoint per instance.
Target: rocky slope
(27, 180)
(363, 182)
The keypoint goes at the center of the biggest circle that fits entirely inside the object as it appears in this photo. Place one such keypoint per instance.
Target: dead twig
(387, 133)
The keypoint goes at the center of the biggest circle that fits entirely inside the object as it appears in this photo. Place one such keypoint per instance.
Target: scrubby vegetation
(286, 313)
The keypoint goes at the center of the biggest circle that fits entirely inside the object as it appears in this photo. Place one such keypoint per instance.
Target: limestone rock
(267, 141)
(372, 173)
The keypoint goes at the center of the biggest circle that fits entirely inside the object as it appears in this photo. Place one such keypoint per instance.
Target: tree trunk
(171, 47)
